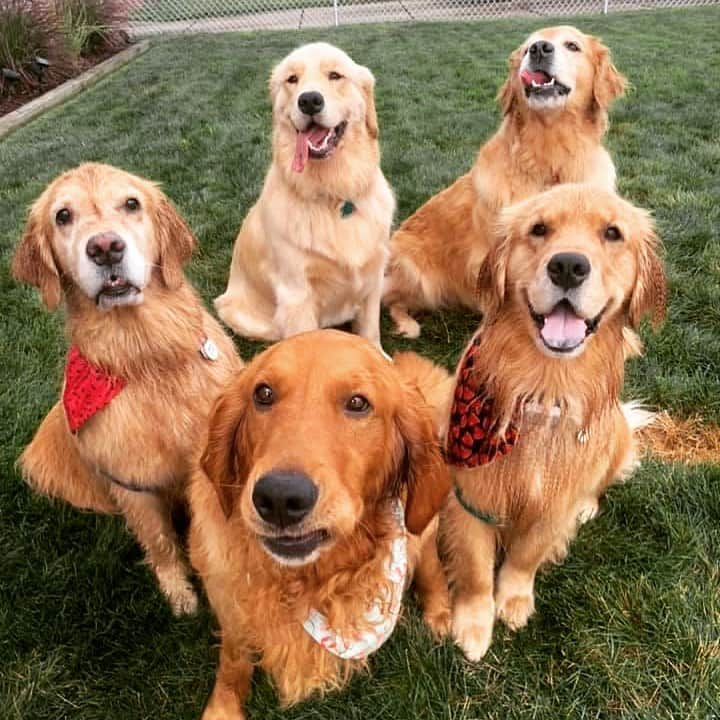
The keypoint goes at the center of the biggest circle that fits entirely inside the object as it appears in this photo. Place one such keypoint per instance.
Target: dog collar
(382, 615)
(473, 436)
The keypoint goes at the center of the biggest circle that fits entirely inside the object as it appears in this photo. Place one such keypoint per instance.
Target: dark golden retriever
(297, 529)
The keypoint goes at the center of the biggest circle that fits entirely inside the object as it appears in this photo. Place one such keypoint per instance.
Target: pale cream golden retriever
(298, 529)
(537, 431)
(145, 359)
(554, 103)
(312, 251)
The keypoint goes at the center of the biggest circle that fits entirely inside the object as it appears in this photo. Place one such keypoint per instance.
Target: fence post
(605, 7)
(335, 8)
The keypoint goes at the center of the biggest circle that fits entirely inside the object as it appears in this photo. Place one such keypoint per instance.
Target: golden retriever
(554, 104)
(145, 360)
(312, 251)
(537, 431)
(309, 451)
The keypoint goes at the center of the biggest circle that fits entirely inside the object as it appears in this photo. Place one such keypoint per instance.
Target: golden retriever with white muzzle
(145, 361)
(537, 431)
(554, 103)
(312, 251)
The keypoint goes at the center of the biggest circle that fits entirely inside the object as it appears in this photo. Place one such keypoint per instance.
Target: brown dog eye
(539, 230)
(613, 233)
(132, 204)
(263, 395)
(357, 405)
(63, 217)
(292, 79)
(335, 75)
(573, 47)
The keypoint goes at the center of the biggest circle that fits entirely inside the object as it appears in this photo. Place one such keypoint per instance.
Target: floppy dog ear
(176, 243)
(608, 83)
(506, 94)
(423, 467)
(491, 280)
(221, 459)
(367, 85)
(649, 296)
(33, 262)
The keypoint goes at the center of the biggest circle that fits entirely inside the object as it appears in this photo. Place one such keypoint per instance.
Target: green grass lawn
(628, 627)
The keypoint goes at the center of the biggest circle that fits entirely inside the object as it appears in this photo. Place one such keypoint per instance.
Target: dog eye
(63, 216)
(612, 233)
(292, 79)
(132, 204)
(539, 230)
(357, 405)
(335, 75)
(573, 47)
(263, 395)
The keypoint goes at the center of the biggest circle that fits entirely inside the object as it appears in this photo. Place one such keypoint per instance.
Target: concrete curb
(12, 121)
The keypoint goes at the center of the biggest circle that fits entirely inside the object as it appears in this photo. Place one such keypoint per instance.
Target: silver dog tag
(209, 350)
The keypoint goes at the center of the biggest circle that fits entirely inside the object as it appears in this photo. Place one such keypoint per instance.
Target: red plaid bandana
(88, 389)
(473, 437)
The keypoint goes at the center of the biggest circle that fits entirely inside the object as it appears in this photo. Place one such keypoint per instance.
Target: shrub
(26, 32)
(91, 26)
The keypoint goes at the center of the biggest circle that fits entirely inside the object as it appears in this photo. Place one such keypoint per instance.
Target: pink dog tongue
(538, 76)
(314, 133)
(563, 327)
(302, 151)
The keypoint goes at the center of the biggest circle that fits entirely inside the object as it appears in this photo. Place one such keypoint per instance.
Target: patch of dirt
(15, 95)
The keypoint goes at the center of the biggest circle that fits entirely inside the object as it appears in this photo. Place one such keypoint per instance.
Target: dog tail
(637, 415)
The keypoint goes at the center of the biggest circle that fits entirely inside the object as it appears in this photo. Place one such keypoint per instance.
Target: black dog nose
(105, 248)
(541, 49)
(568, 270)
(284, 498)
(311, 102)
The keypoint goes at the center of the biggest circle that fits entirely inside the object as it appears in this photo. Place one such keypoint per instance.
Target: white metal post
(335, 8)
(605, 7)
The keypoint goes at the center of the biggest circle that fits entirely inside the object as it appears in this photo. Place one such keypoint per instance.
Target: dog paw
(178, 590)
(587, 511)
(438, 619)
(472, 626)
(223, 705)
(515, 610)
(408, 327)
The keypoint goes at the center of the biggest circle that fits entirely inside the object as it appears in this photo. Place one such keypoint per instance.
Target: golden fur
(146, 434)
(357, 463)
(437, 252)
(575, 437)
(298, 264)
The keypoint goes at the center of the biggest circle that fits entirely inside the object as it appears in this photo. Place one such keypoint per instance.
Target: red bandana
(473, 437)
(88, 389)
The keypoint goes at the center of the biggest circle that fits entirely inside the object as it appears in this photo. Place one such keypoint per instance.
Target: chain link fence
(153, 17)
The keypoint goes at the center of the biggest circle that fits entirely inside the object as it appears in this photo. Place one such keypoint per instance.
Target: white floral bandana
(381, 616)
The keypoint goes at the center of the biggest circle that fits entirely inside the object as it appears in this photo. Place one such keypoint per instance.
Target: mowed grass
(628, 627)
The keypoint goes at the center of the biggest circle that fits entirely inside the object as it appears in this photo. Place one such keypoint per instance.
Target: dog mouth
(294, 549)
(316, 142)
(563, 330)
(116, 291)
(541, 84)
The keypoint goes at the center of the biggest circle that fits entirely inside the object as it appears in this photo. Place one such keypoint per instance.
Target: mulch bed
(21, 94)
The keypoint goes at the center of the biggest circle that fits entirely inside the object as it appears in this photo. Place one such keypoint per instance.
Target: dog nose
(541, 49)
(284, 498)
(311, 102)
(105, 248)
(568, 270)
